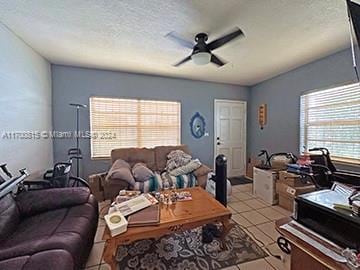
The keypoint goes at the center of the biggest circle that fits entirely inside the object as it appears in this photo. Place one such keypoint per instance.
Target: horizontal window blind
(331, 119)
(122, 123)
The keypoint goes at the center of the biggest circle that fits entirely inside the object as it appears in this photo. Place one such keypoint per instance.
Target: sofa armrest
(201, 175)
(37, 201)
(96, 181)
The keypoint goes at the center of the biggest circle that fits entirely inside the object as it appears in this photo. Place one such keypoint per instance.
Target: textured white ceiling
(128, 35)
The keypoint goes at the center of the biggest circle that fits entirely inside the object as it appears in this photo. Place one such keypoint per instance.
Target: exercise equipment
(325, 173)
(8, 186)
(5, 170)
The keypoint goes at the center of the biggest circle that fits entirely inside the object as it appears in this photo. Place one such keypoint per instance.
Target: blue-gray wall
(71, 84)
(282, 96)
(25, 104)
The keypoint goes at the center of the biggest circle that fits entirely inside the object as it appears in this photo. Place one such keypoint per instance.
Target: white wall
(25, 104)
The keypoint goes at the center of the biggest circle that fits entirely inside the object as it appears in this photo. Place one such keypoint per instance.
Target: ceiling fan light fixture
(201, 58)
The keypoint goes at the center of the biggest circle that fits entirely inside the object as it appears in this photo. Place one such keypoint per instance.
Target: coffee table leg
(226, 227)
(109, 254)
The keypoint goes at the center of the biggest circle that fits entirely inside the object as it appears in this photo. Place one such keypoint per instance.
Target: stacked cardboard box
(289, 186)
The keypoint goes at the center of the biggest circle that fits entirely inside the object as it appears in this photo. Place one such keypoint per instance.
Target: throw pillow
(141, 172)
(186, 169)
(120, 171)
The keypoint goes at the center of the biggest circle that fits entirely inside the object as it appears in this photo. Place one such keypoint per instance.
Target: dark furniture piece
(47, 229)
(305, 255)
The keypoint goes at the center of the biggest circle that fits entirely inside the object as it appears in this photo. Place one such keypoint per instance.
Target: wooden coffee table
(202, 209)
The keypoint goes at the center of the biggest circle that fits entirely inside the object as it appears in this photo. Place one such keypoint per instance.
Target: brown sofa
(154, 158)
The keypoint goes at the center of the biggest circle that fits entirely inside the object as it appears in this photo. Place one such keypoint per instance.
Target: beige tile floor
(254, 215)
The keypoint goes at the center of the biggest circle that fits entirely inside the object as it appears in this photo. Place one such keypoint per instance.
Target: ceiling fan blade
(178, 39)
(182, 61)
(225, 39)
(217, 61)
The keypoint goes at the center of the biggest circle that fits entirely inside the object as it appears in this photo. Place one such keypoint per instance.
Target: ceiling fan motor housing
(202, 51)
(200, 46)
(201, 37)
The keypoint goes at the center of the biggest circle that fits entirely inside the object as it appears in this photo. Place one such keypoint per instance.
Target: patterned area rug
(185, 251)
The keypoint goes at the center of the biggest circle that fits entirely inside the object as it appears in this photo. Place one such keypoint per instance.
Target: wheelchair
(58, 177)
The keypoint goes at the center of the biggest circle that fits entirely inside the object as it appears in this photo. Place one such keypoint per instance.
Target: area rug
(241, 180)
(185, 251)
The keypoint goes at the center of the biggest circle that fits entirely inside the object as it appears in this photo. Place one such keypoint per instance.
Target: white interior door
(230, 134)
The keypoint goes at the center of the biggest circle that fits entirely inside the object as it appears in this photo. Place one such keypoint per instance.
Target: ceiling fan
(202, 51)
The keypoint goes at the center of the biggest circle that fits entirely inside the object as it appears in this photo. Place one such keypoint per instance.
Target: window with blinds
(122, 123)
(331, 118)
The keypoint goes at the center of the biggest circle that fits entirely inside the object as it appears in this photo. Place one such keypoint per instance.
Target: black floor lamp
(76, 152)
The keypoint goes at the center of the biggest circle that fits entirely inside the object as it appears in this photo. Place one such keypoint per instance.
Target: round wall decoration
(197, 126)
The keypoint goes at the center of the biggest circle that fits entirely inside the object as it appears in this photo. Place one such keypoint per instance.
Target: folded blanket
(188, 168)
(165, 180)
(177, 158)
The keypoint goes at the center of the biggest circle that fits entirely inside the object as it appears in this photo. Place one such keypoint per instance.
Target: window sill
(341, 162)
(100, 158)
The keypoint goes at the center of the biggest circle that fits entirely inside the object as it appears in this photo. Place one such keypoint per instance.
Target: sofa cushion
(135, 155)
(9, 217)
(37, 201)
(121, 171)
(141, 172)
(161, 153)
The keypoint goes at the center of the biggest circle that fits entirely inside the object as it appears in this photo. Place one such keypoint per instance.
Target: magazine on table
(133, 205)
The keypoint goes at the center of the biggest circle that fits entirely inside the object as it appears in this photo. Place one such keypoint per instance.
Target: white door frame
(243, 102)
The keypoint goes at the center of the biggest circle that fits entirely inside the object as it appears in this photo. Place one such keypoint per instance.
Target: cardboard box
(252, 162)
(287, 194)
(286, 202)
(291, 179)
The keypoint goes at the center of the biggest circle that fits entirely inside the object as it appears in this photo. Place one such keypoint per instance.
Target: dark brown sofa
(47, 229)
(154, 158)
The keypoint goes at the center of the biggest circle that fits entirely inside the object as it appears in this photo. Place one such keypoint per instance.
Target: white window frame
(304, 112)
(97, 157)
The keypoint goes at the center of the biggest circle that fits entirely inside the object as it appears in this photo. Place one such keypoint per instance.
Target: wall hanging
(262, 115)
(197, 126)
